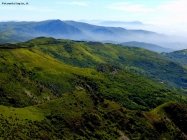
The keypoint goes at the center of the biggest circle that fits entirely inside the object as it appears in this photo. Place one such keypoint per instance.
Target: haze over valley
(22, 31)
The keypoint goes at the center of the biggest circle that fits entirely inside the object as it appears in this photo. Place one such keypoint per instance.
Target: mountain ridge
(12, 32)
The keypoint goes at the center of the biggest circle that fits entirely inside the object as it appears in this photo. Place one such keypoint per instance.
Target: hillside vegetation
(55, 71)
(62, 89)
(148, 46)
(178, 56)
(80, 115)
(138, 60)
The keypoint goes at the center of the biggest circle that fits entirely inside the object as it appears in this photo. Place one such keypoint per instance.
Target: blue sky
(171, 13)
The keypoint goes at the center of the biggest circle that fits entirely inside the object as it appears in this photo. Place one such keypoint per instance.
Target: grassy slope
(179, 56)
(80, 115)
(17, 85)
(90, 54)
(44, 77)
(79, 107)
(175, 112)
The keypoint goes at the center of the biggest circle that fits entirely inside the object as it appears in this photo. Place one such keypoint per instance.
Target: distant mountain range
(120, 22)
(12, 32)
(113, 23)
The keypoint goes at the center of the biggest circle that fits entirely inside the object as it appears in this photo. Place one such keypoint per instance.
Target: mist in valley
(103, 31)
(169, 37)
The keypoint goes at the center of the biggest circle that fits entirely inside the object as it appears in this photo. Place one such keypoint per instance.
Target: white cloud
(7, 8)
(170, 16)
(128, 7)
(177, 6)
(176, 9)
(46, 10)
(74, 3)
(170, 13)
(79, 3)
(173, 14)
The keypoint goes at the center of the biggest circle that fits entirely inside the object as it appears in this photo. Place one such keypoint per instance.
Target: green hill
(39, 76)
(138, 60)
(80, 115)
(62, 89)
(148, 46)
(179, 56)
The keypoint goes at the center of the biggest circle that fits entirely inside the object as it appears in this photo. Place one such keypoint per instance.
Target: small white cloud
(29, 8)
(172, 31)
(7, 8)
(128, 7)
(178, 6)
(46, 10)
(78, 3)
(176, 9)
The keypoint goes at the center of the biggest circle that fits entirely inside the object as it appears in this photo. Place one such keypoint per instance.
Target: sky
(171, 14)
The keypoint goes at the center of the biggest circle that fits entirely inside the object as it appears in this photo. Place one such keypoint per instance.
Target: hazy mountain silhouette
(147, 46)
(12, 32)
